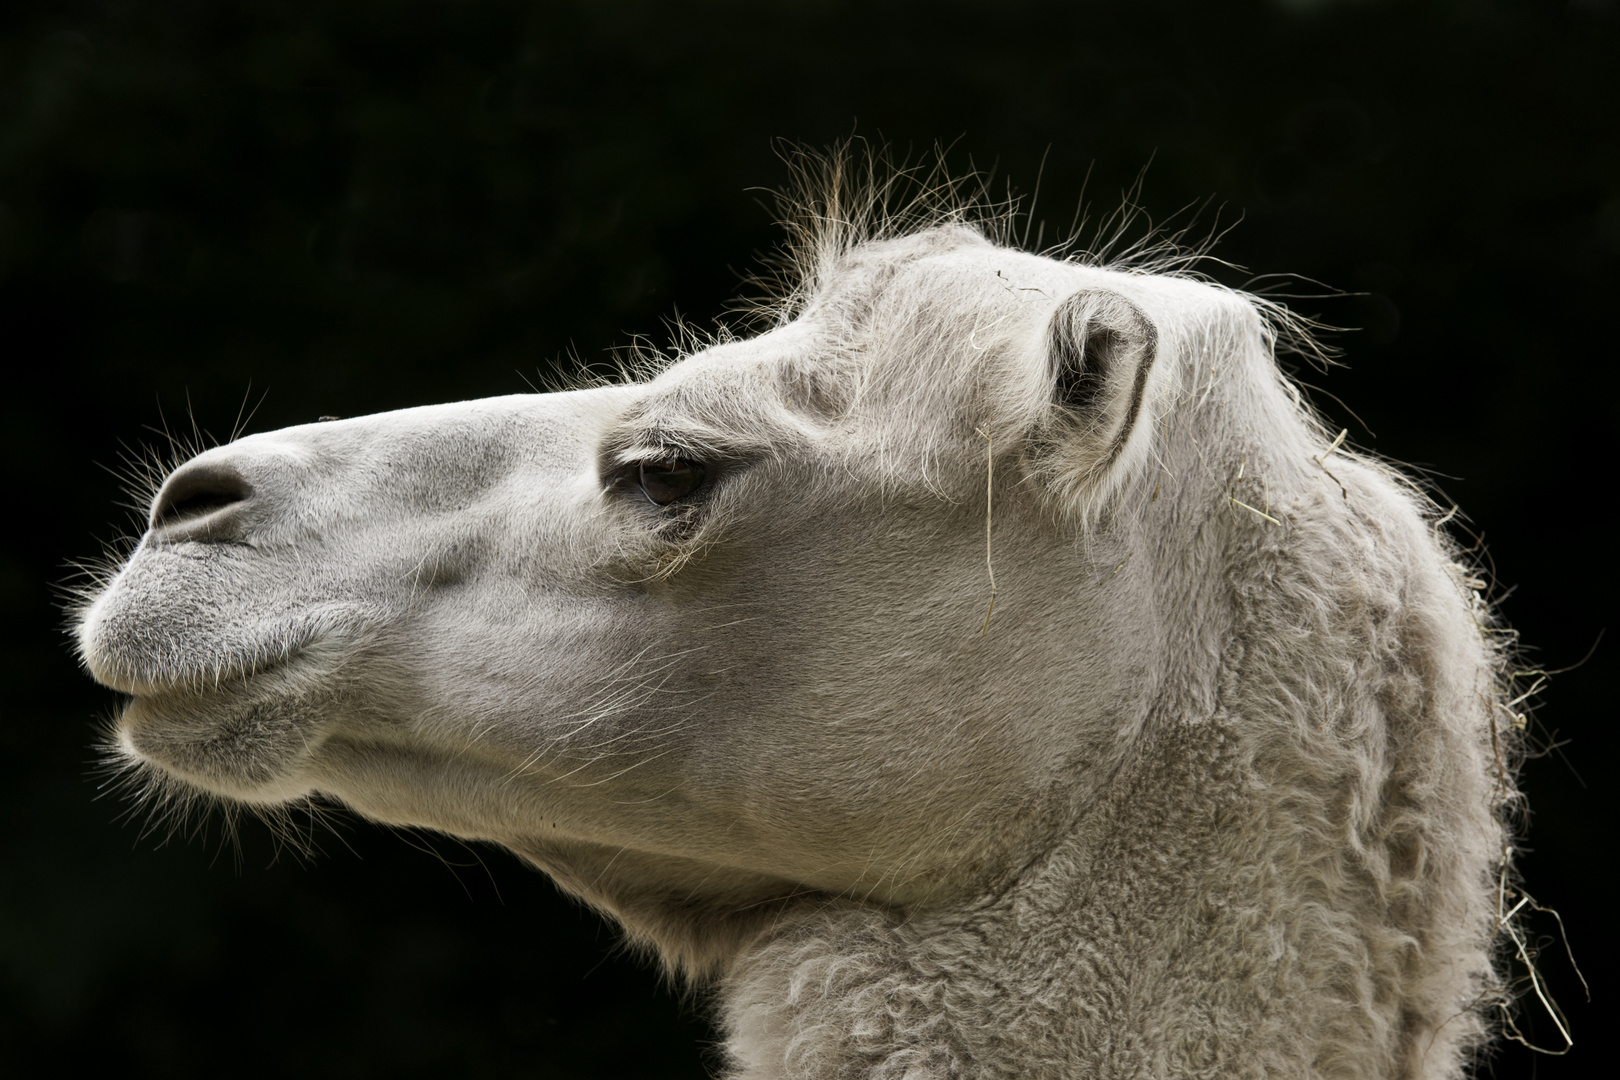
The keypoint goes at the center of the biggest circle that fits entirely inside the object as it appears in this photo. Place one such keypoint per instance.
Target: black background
(351, 207)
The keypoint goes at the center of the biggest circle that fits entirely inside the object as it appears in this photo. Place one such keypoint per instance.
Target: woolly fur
(1297, 868)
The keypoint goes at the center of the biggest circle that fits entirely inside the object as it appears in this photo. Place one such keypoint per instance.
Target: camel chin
(992, 667)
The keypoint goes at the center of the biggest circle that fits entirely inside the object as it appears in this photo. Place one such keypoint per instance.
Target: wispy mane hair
(856, 193)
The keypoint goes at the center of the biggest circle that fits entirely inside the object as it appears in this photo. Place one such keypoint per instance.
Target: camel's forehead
(896, 309)
(893, 287)
(906, 326)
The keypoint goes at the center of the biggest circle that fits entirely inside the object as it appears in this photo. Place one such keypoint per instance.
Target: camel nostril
(195, 491)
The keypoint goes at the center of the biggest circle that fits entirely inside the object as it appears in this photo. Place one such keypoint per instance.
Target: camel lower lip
(202, 683)
(246, 737)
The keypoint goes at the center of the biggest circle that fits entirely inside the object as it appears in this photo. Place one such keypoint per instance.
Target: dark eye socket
(667, 479)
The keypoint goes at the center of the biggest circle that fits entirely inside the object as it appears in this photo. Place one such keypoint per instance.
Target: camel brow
(640, 441)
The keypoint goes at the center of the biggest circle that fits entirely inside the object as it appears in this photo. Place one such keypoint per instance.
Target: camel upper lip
(197, 682)
(191, 618)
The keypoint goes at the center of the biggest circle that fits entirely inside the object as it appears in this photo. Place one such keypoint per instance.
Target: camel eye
(668, 479)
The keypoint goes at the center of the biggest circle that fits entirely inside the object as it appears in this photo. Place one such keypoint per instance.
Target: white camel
(990, 670)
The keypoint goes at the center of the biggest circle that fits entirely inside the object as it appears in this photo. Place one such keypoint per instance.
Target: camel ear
(1099, 347)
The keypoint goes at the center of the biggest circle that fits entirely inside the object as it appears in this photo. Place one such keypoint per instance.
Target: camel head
(978, 568)
(702, 642)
